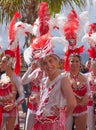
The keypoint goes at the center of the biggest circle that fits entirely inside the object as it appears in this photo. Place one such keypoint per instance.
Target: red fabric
(80, 91)
(6, 90)
(32, 106)
(35, 88)
(80, 109)
(57, 125)
(90, 103)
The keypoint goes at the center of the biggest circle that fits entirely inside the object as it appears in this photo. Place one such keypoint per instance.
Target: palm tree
(28, 8)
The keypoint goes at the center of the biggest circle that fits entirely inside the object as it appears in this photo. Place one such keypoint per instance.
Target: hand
(55, 110)
(83, 101)
(9, 107)
(34, 66)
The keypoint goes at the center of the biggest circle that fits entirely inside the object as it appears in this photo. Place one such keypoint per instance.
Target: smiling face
(74, 63)
(50, 65)
(5, 64)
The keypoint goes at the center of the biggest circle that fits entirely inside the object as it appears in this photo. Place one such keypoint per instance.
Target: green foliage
(26, 7)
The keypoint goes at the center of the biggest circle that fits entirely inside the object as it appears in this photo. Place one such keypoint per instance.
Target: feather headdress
(40, 47)
(90, 38)
(71, 33)
(16, 30)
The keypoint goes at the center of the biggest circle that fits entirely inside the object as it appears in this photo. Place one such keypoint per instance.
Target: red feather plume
(44, 16)
(92, 53)
(71, 26)
(92, 29)
(11, 32)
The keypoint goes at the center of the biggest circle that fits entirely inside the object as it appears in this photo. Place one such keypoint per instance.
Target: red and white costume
(72, 27)
(90, 38)
(29, 77)
(40, 47)
(80, 90)
(51, 96)
(7, 92)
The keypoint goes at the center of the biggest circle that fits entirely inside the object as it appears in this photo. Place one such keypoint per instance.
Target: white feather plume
(60, 40)
(83, 22)
(91, 41)
(60, 21)
(22, 28)
(35, 30)
(28, 56)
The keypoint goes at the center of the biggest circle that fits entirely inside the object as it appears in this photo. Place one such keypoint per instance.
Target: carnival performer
(10, 85)
(89, 37)
(55, 87)
(33, 76)
(81, 91)
(72, 63)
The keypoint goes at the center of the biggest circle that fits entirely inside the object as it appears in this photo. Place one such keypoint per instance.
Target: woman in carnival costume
(15, 30)
(34, 74)
(90, 38)
(55, 87)
(10, 84)
(78, 81)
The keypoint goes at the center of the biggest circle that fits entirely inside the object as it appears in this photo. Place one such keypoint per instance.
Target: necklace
(75, 82)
